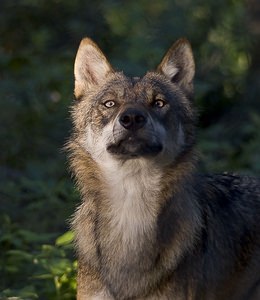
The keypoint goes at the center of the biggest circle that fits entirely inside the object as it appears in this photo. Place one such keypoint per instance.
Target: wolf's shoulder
(229, 185)
(230, 196)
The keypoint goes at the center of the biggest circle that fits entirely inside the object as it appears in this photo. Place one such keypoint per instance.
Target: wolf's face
(130, 118)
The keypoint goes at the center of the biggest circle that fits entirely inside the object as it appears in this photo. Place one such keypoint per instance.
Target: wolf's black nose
(132, 119)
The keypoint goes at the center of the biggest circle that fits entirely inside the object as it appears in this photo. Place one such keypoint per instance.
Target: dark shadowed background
(39, 39)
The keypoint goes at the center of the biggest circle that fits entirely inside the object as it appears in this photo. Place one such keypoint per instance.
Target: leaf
(65, 239)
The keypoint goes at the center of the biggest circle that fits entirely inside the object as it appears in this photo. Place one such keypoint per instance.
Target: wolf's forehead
(132, 86)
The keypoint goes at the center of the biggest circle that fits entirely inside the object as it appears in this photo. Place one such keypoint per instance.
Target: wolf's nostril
(139, 119)
(125, 120)
(132, 119)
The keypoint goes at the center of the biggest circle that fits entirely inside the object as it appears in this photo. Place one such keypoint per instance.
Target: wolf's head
(125, 118)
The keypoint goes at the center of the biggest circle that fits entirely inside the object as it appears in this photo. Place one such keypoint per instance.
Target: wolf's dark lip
(134, 147)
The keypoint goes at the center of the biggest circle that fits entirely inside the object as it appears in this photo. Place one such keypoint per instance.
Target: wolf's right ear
(91, 67)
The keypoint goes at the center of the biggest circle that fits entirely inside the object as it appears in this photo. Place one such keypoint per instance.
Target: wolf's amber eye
(109, 103)
(159, 103)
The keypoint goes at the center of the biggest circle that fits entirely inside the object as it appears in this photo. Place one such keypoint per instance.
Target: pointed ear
(91, 67)
(178, 65)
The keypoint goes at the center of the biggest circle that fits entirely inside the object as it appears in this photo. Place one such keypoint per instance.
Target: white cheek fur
(96, 144)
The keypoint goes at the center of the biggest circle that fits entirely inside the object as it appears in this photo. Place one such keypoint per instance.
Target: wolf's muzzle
(134, 135)
(133, 119)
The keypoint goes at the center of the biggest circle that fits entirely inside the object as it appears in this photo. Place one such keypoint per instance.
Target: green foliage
(46, 272)
(39, 40)
(232, 151)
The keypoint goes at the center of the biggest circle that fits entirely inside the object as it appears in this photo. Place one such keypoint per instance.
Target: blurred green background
(39, 40)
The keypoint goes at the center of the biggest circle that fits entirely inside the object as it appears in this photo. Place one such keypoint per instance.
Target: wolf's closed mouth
(133, 146)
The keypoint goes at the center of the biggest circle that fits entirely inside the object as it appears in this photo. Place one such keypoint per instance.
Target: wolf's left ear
(91, 67)
(178, 65)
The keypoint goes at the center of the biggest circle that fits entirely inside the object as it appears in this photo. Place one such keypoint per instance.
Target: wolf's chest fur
(126, 244)
(127, 223)
(133, 191)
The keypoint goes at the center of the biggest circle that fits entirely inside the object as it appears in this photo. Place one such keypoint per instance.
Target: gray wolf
(149, 225)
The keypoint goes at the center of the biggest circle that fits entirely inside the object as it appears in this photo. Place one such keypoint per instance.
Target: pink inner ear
(169, 70)
(87, 73)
